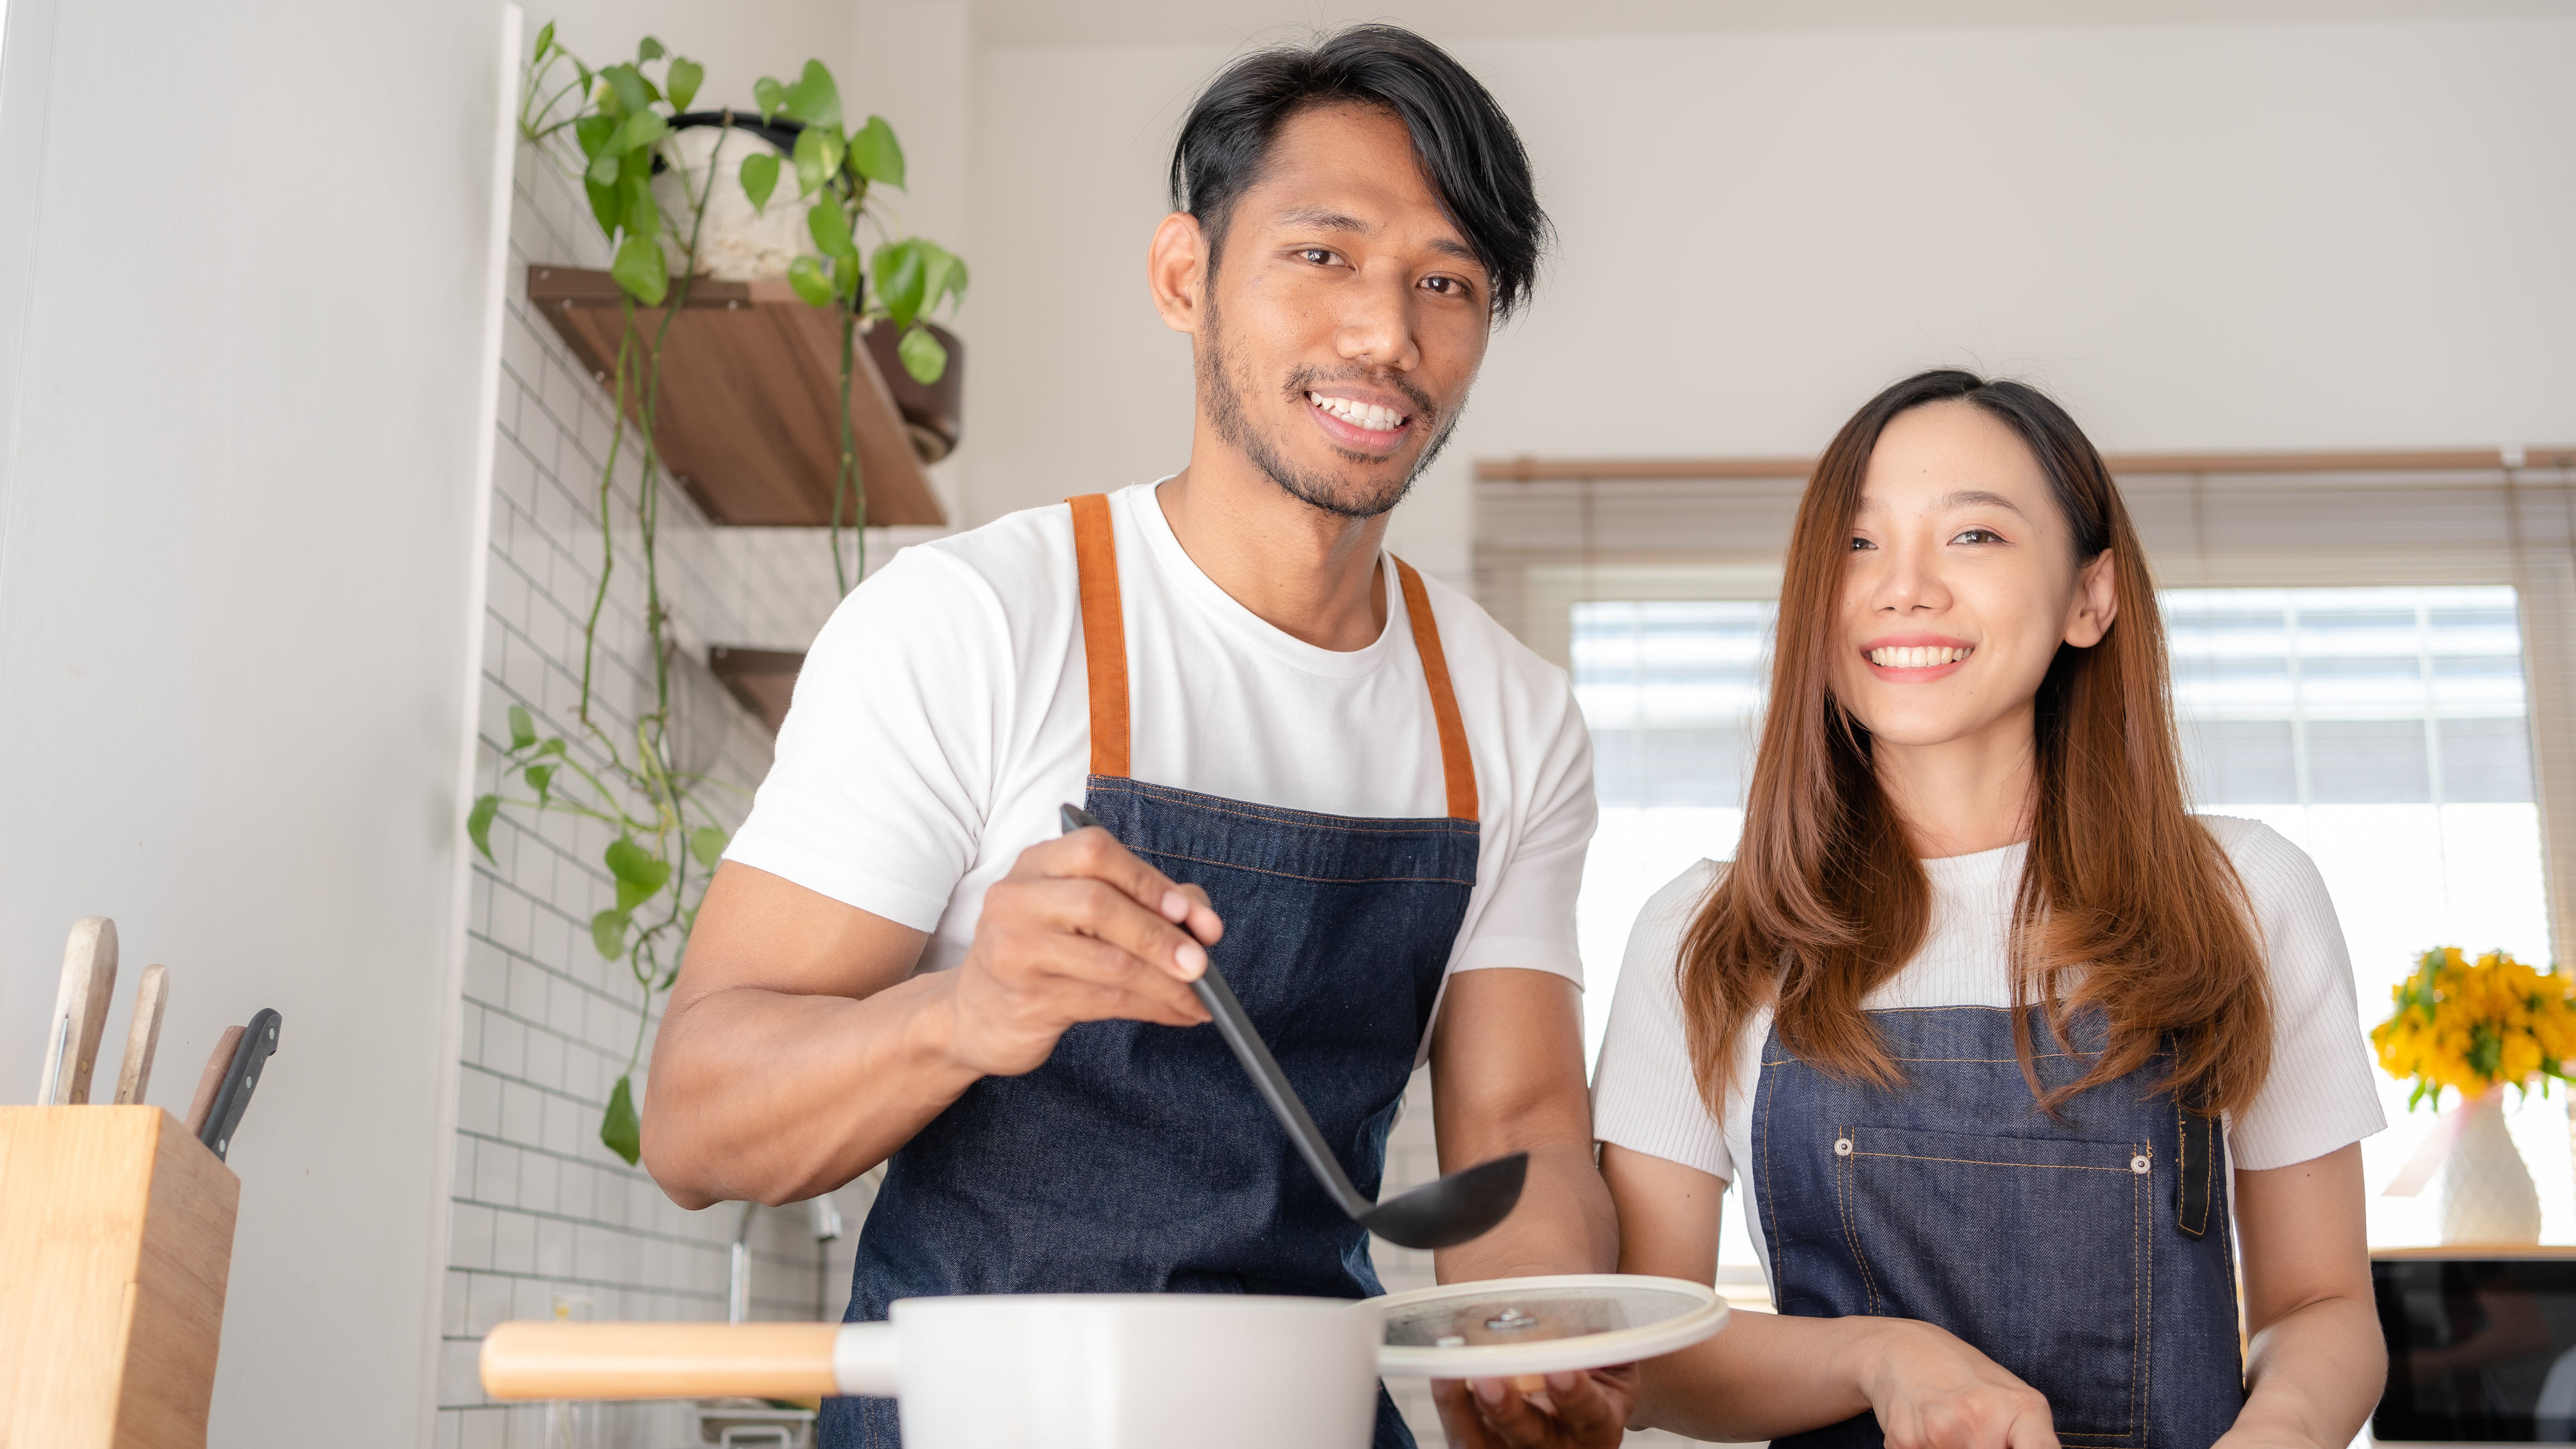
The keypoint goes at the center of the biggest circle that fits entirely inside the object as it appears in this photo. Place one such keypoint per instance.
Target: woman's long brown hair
(2126, 904)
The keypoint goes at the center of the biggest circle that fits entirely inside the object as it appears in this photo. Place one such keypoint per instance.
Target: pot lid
(1559, 1324)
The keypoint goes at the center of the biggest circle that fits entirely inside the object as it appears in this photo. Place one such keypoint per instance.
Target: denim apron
(2088, 1254)
(1138, 1158)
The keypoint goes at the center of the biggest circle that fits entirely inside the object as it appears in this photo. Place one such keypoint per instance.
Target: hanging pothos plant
(666, 840)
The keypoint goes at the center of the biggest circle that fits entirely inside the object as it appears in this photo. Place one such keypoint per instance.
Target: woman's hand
(1563, 1411)
(1932, 1391)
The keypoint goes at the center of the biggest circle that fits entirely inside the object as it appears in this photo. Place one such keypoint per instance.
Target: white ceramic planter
(2487, 1194)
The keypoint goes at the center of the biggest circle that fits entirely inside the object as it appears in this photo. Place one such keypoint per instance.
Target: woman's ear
(1174, 270)
(2097, 602)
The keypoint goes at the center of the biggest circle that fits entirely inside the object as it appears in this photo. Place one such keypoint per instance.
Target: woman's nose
(1908, 580)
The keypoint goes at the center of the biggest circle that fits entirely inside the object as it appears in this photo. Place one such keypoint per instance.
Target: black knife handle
(258, 1044)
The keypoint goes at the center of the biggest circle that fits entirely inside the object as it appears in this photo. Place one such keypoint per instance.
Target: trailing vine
(620, 118)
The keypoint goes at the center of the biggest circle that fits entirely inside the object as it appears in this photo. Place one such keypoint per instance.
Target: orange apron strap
(1104, 633)
(1455, 763)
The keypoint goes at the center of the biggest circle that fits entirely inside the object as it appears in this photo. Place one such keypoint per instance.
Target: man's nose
(1377, 323)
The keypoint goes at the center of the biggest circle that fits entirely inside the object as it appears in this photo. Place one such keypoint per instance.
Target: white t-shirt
(2319, 1096)
(943, 715)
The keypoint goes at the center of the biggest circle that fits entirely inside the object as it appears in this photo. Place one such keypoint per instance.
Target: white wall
(2200, 236)
(243, 310)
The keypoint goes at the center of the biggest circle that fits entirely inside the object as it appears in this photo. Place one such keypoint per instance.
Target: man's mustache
(1306, 379)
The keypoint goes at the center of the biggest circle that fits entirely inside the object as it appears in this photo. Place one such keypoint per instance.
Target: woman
(1972, 1011)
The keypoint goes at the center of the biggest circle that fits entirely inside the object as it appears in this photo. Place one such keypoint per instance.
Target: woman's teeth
(1359, 414)
(1918, 657)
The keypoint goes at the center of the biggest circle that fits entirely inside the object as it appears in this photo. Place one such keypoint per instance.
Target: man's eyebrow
(1325, 218)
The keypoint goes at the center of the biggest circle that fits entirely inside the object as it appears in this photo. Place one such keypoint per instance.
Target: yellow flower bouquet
(2471, 1025)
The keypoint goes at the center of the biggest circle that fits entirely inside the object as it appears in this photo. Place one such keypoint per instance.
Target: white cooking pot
(1073, 1371)
(1120, 1371)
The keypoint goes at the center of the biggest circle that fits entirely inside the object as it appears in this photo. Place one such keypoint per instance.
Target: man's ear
(2097, 602)
(1176, 270)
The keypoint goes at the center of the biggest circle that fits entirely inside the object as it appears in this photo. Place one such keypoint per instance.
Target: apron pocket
(2034, 1250)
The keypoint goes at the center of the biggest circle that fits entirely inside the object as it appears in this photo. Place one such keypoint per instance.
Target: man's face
(1346, 318)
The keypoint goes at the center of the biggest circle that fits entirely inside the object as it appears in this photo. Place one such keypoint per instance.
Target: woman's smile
(1916, 658)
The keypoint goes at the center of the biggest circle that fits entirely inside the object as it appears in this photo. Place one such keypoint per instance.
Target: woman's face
(1962, 582)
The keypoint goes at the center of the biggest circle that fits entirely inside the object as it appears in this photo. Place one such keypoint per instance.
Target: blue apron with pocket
(1139, 1158)
(2088, 1253)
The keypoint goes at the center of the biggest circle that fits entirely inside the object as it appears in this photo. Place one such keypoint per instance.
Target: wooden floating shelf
(749, 423)
(761, 680)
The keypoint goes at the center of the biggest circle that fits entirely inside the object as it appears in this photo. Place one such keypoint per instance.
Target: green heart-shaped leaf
(814, 99)
(760, 178)
(898, 275)
(620, 1130)
(523, 728)
(478, 823)
(608, 933)
(769, 95)
(708, 844)
(541, 778)
(545, 40)
(639, 270)
(922, 355)
(639, 130)
(628, 88)
(648, 49)
(875, 152)
(830, 228)
(811, 282)
(682, 81)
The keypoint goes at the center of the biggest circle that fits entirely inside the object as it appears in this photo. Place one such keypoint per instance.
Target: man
(1343, 783)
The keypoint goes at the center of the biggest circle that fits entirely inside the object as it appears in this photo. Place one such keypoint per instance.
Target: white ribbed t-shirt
(2319, 1096)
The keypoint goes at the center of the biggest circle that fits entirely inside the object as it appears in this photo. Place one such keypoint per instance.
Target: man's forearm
(767, 1096)
(1564, 1223)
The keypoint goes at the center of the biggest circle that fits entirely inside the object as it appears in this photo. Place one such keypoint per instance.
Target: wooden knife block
(116, 1237)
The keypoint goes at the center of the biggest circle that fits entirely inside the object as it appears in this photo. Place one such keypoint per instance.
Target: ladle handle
(1263, 1068)
(541, 1360)
(1249, 1049)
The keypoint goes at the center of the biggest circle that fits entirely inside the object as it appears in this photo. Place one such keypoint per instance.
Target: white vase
(2487, 1196)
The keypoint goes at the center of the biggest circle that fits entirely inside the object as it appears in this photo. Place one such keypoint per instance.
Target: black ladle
(1441, 1214)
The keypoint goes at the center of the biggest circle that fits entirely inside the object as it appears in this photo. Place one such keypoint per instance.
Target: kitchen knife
(202, 1105)
(88, 985)
(259, 1042)
(144, 1037)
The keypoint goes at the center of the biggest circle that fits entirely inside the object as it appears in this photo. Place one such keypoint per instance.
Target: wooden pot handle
(539, 1360)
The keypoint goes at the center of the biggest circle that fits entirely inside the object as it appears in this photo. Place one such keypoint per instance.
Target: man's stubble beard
(1330, 493)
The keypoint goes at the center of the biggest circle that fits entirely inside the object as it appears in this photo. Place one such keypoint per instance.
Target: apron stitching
(1305, 819)
(1848, 1173)
(2144, 1213)
(1317, 879)
(1981, 1162)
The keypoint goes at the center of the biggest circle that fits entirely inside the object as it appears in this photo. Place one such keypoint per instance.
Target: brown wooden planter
(749, 421)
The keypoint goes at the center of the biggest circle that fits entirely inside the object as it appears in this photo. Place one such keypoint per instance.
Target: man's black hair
(1465, 143)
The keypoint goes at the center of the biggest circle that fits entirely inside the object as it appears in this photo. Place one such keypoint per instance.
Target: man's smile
(1359, 421)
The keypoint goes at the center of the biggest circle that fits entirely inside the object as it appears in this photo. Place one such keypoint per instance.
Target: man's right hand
(1080, 930)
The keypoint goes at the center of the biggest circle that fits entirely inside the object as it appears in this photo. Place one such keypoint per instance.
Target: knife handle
(227, 1047)
(258, 1043)
(144, 1038)
(88, 984)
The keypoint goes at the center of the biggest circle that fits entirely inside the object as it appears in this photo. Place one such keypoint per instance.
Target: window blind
(2344, 628)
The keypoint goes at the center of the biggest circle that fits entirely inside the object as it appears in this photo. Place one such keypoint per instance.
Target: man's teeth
(1917, 657)
(1359, 414)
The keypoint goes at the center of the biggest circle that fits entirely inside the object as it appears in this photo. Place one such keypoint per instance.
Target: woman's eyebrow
(1965, 498)
(1971, 497)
